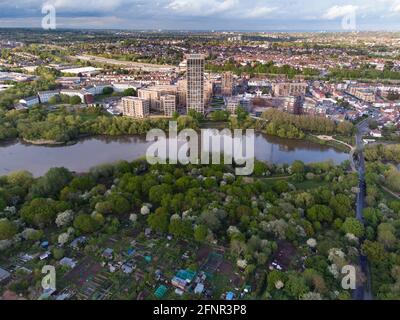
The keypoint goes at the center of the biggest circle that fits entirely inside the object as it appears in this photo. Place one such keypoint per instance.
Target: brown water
(90, 152)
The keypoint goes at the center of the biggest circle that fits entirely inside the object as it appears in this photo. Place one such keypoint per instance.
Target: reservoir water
(89, 152)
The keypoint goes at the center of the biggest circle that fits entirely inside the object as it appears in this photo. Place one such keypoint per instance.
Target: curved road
(363, 291)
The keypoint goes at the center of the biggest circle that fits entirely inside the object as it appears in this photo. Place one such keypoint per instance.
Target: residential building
(122, 86)
(153, 95)
(182, 92)
(208, 91)
(4, 275)
(135, 107)
(85, 71)
(29, 102)
(227, 84)
(289, 89)
(232, 103)
(86, 97)
(195, 83)
(168, 104)
(97, 88)
(44, 96)
(73, 92)
(293, 105)
(363, 94)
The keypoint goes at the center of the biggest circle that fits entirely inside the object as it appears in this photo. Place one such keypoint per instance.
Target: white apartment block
(29, 102)
(71, 93)
(44, 96)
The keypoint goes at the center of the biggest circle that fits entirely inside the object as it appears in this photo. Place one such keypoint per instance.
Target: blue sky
(263, 15)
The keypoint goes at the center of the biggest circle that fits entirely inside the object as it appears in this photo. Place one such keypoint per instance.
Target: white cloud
(95, 5)
(339, 11)
(395, 8)
(202, 7)
(258, 12)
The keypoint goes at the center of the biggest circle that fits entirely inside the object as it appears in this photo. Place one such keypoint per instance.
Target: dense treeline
(203, 205)
(364, 72)
(259, 68)
(286, 125)
(390, 152)
(382, 218)
(64, 125)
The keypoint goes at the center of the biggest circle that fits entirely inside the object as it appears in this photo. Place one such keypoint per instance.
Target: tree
(20, 178)
(8, 229)
(296, 286)
(298, 167)
(108, 90)
(119, 204)
(342, 206)
(159, 220)
(241, 113)
(345, 128)
(64, 218)
(260, 168)
(114, 204)
(353, 226)
(39, 212)
(83, 183)
(54, 100)
(387, 235)
(200, 233)
(58, 253)
(74, 100)
(273, 278)
(181, 228)
(320, 213)
(210, 220)
(304, 200)
(281, 186)
(85, 223)
(51, 183)
(219, 115)
(375, 251)
(156, 193)
(130, 92)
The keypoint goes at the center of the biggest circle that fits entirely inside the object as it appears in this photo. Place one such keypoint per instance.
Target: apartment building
(153, 95)
(195, 82)
(29, 102)
(44, 96)
(289, 89)
(135, 107)
(83, 94)
(168, 104)
(293, 105)
(227, 84)
(208, 91)
(363, 94)
(182, 92)
(232, 103)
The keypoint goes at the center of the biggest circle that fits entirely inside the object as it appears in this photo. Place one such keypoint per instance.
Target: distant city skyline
(259, 15)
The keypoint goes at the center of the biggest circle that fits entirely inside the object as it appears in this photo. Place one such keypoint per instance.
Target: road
(363, 291)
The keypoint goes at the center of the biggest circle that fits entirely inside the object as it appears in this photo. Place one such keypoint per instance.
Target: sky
(236, 15)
